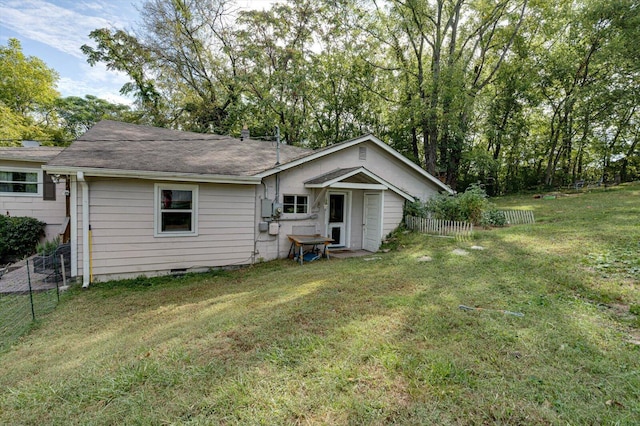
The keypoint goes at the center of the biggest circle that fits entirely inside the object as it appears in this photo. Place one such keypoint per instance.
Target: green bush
(468, 206)
(4, 246)
(493, 217)
(48, 247)
(19, 236)
(472, 203)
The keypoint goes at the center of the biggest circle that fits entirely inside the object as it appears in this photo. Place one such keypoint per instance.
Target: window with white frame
(295, 204)
(16, 181)
(176, 210)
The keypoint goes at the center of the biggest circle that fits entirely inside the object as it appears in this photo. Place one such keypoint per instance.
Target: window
(176, 210)
(295, 204)
(19, 181)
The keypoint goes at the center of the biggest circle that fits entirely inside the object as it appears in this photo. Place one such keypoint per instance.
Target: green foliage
(493, 217)
(27, 94)
(416, 208)
(19, 236)
(468, 206)
(79, 114)
(48, 247)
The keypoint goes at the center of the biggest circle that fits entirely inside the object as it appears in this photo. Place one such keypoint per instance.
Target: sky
(54, 30)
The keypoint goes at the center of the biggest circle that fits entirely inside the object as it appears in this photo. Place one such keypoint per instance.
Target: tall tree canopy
(511, 93)
(27, 94)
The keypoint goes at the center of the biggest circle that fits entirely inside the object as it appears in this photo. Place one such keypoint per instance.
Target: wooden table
(299, 241)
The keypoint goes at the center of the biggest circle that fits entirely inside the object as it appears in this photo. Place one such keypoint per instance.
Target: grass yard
(374, 340)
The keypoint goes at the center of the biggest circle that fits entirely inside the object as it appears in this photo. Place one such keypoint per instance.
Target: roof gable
(355, 178)
(352, 142)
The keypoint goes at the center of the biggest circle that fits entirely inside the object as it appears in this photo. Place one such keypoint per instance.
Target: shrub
(472, 203)
(48, 247)
(415, 208)
(468, 206)
(493, 217)
(19, 236)
(4, 246)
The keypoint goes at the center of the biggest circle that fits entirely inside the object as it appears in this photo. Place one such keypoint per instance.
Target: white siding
(122, 226)
(51, 212)
(292, 181)
(377, 161)
(393, 206)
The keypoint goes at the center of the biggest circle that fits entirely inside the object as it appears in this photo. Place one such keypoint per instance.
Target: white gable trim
(380, 185)
(344, 145)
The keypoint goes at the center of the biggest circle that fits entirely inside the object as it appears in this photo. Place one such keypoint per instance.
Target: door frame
(346, 224)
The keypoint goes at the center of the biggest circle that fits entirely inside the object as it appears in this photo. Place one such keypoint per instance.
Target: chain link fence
(29, 290)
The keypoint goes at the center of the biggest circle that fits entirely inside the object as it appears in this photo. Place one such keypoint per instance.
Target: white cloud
(63, 29)
(97, 81)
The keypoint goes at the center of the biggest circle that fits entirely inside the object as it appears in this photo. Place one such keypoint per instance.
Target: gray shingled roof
(40, 154)
(122, 146)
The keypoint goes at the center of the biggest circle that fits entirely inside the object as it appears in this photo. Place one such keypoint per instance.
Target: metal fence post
(33, 312)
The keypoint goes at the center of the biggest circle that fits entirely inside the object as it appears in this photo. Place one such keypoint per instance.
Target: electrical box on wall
(274, 228)
(263, 226)
(277, 209)
(267, 207)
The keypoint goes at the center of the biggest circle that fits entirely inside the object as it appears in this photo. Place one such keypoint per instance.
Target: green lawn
(373, 340)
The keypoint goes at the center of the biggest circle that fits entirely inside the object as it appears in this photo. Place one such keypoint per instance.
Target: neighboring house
(25, 190)
(149, 201)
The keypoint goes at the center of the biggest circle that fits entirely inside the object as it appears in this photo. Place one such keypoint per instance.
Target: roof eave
(153, 175)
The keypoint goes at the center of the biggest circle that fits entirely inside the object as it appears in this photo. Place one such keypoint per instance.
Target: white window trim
(295, 205)
(39, 182)
(158, 187)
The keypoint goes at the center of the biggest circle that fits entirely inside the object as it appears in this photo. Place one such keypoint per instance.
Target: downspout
(277, 200)
(86, 229)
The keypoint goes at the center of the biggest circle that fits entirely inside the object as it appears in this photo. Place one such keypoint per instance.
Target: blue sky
(54, 30)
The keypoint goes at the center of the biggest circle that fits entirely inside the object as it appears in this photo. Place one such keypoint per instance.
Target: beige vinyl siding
(392, 212)
(51, 212)
(122, 223)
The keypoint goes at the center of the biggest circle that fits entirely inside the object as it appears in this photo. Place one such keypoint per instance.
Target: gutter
(168, 176)
(86, 229)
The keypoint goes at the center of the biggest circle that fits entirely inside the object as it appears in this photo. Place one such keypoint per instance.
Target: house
(25, 190)
(147, 200)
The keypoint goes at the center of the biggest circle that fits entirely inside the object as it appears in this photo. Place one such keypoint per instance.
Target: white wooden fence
(519, 217)
(440, 227)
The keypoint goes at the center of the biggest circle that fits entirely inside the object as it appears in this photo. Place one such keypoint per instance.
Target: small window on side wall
(176, 208)
(295, 204)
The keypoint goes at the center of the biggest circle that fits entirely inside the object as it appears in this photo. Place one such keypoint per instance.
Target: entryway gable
(354, 178)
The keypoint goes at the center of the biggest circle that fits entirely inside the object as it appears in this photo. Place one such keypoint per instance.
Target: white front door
(372, 227)
(338, 218)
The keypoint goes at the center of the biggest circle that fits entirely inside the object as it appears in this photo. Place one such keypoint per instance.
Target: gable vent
(362, 153)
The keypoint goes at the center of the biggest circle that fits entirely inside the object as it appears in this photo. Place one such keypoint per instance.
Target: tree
(121, 51)
(27, 94)
(446, 52)
(77, 115)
